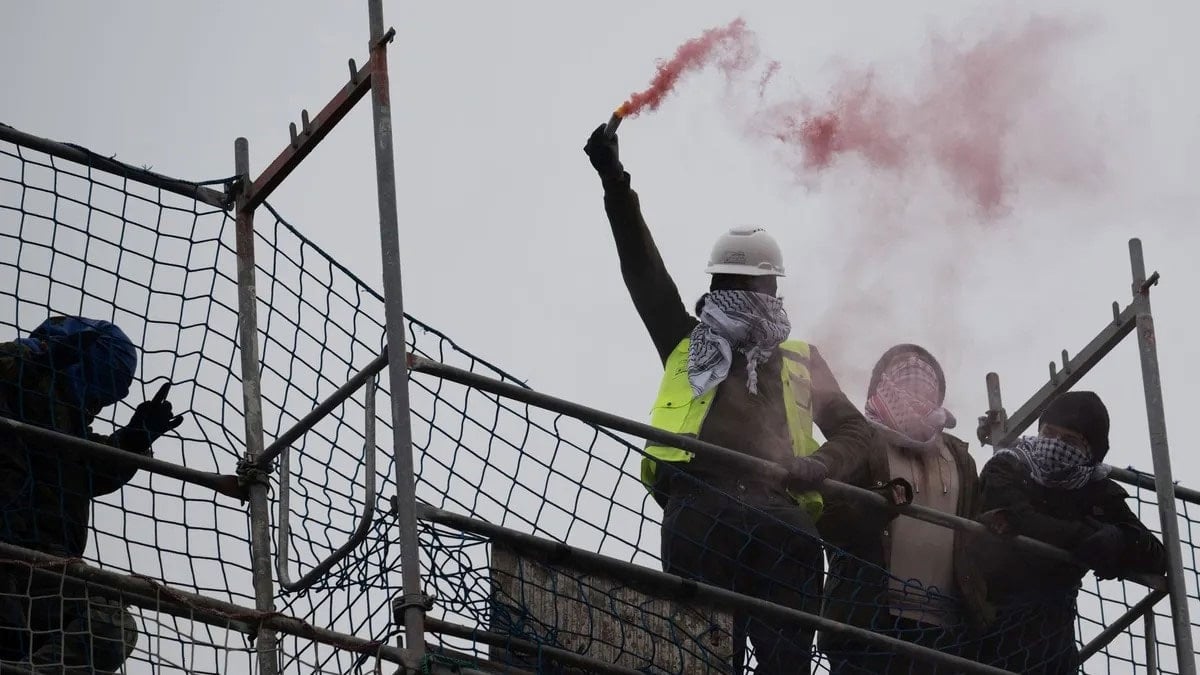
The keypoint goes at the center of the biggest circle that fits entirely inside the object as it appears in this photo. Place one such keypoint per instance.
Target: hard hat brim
(744, 270)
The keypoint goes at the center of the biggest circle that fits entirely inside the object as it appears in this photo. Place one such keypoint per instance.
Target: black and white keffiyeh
(1054, 463)
(752, 323)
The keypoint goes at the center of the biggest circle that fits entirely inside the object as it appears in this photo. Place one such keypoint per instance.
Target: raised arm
(650, 286)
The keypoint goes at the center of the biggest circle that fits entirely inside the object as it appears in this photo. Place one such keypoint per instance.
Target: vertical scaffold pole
(260, 511)
(413, 601)
(1151, 644)
(1163, 482)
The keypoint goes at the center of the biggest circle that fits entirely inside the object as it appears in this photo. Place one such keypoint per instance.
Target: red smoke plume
(909, 163)
(960, 121)
(768, 73)
(732, 46)
(912, 165)
(963, 120)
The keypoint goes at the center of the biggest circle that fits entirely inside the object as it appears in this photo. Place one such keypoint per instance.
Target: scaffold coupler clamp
(232, 187)
(249, 473)
(401, 604)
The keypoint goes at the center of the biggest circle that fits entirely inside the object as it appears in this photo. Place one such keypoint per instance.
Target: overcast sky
(505, 244)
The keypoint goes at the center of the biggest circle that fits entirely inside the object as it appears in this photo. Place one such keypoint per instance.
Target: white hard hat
(748, 251)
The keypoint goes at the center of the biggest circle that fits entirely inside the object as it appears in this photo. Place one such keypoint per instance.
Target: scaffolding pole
(256, 480)
(1131, 476)
(1164, 485)
(1137, 317)
(1005, 429)
(1151, 640)
(413, 599)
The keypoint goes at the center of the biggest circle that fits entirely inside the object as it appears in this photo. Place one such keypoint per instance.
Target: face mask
(905, 400)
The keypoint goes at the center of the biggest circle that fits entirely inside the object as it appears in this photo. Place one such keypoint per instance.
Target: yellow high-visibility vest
(677, 411)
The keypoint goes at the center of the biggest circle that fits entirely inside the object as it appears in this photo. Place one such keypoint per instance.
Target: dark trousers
(872, 659)
(765, 547)
(1037, 638)
(61, 628)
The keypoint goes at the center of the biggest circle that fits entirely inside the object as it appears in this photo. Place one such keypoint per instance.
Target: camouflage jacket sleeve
(104, 476)
(17, 372)
(12, 354)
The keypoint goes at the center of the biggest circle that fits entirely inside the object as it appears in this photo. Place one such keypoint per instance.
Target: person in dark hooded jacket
(897, 575)
(1055, 487)
(60, 378)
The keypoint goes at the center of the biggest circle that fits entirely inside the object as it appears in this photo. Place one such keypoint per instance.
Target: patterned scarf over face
(752, 323)
(906, 401)
(1054, 463)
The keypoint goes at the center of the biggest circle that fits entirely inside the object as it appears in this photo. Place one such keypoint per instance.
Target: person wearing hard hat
(734, 378)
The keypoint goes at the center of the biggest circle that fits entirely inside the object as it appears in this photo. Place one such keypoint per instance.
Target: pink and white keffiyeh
(907, 401)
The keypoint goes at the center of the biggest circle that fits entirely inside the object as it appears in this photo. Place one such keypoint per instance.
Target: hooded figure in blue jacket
(60, 378)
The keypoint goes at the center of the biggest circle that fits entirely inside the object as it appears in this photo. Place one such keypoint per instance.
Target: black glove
(984, 431)
(997, 522)
(1102, 550)
(63, 352)
(805, 473)
(602, 150)
(150, 420)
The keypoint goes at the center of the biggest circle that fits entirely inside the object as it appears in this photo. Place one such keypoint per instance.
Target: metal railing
(252, 480)
(365, 519)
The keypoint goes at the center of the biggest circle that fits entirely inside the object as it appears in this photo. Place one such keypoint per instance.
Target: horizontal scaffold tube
(155, 596)
(1136, 478)
(764, 468)
(323, 409)
(562, 656)
(85, 157)
(224, 484)
(664, 585)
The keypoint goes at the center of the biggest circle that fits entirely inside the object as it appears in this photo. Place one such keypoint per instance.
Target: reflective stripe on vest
(677, 411)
